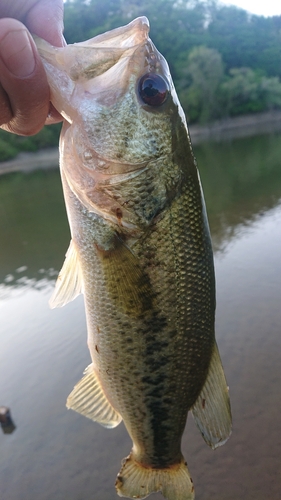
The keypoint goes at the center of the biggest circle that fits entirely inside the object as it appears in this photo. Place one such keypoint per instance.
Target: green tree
(175, 26)
(248, 91)
(204, 73)
(11, 145)
(271, 91)
(241, 91)
(245, 40)
(201, 39)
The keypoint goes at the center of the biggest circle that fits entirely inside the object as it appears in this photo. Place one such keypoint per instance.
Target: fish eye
(153, 89)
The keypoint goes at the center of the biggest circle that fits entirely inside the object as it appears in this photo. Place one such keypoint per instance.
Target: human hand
(24, 92)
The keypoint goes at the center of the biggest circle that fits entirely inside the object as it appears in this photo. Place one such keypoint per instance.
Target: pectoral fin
(212, 411)
(127, 283)
(69, 282)
(88, 398)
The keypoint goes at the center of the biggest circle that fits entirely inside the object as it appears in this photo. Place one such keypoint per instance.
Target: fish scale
(140, 253)
(182, 226)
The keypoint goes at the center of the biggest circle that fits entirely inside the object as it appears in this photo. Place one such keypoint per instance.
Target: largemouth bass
(140, 253)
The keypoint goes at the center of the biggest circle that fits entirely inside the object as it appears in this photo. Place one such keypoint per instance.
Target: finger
(51, 31)
(42, 17)
(23, 79)
(45, 19)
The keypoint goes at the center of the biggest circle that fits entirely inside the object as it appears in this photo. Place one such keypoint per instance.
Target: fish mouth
(107, 67)
(92, 58)
(134, 33)
(132, 40)
(119, 58)
(128, 46)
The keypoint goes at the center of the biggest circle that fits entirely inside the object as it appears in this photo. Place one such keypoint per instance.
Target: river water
(57, 454)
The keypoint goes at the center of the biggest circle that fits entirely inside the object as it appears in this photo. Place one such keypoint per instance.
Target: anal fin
(88, 398)
(212, 411)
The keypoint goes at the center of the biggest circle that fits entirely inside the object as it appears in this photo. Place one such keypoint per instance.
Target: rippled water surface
(57, 454)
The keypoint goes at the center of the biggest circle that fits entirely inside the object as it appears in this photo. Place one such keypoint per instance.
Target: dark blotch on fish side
(161, 431)
(155, 380)
(150, 380)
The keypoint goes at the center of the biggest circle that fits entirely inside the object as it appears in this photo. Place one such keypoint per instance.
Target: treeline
(207, 92)
(224, 62)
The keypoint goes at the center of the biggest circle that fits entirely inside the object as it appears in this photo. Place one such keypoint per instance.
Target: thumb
(45, 19)
(24, 91)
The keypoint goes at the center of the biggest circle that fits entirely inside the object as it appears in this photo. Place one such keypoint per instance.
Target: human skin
(24, 92)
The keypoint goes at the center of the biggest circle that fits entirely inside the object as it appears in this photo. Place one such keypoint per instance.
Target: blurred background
(225, 61)
(226, 65)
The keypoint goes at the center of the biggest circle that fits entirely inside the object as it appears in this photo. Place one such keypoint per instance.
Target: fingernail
(17, 53)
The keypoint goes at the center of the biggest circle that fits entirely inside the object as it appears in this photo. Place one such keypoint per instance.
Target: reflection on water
(33, 224)
(14, 286)
(56, 454)
(241, 181)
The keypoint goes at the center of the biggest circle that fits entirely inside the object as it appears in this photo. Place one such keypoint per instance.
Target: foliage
(247, 91)
(177, 26)
(224, 62)
(11, 144)
(205, 69)
(211, 94)
(246, 40)
(7, 149)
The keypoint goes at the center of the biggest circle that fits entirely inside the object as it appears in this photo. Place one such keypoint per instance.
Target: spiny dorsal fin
(88, 398)
(212, 411)
(69, 282)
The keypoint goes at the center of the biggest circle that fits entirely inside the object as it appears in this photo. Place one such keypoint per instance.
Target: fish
(140, 253)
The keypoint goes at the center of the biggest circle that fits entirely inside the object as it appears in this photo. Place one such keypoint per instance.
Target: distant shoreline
(233, 128)
(230, 128)
(27, 162)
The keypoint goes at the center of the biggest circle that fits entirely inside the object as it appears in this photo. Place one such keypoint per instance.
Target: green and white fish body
(140, 253)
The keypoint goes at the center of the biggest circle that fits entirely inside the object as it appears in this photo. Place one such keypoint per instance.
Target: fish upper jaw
(81, 63)
(134, 33)
(102, 67)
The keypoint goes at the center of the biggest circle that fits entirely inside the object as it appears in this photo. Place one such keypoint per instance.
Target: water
(56, 454)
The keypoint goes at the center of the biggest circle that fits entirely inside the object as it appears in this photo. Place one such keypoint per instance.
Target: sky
(259, 7)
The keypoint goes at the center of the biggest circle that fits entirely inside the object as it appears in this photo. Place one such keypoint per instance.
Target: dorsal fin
(212, 411)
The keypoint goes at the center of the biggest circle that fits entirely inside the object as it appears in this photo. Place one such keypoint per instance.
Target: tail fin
(137, 481)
